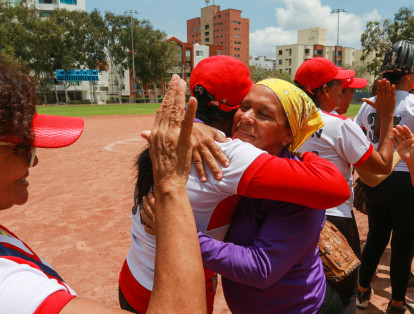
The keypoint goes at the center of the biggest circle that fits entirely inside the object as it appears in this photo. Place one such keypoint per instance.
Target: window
(206, 33)
(280, 61)
(47, 1)
(188, 53)
(199, 53)
(280, 52)
(195, 29)
(74, 2)
(307, 51)
(206, 27)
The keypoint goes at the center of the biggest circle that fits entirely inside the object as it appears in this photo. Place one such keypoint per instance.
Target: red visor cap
(227, 79)
(56, 131)
(315, 72)
(353, 82)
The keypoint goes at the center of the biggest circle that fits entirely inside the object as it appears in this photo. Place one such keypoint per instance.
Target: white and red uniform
(403, 115)
(342, 142)
(313, 182)
(28, 284)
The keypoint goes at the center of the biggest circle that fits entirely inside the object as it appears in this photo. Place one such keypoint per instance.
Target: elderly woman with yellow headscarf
(269, 259)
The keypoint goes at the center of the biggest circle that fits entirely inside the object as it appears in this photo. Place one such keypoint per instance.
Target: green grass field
(352, 110)
(99, 110)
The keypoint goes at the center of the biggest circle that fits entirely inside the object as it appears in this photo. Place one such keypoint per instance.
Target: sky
(272, 22)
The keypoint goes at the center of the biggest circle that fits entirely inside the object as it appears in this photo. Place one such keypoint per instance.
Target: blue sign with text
(77, 75)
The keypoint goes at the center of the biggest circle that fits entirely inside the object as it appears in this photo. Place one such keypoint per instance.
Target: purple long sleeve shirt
(269, 261)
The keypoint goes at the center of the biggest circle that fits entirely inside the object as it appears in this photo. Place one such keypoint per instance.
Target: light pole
(134, 85)
(337, 34)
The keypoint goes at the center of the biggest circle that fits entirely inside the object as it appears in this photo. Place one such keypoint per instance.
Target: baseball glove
(338, 258)
(359, 196)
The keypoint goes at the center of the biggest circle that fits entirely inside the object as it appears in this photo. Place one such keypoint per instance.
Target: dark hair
(394, 77)
(207, 112)
(17, 102)
(312, 95)
(145, 179)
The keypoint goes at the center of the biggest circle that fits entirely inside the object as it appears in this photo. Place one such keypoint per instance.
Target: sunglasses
(24, 151)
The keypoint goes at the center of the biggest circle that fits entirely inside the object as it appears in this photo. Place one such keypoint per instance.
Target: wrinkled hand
(147, 213)
(205, 149)
(385, 101)
(404, 143)
(170, 138)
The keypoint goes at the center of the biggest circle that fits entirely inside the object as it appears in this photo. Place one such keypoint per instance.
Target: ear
(324, 91)
(288, 138)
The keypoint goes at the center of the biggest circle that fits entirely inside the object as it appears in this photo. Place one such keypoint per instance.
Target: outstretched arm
(404, 142)
(372, 179)
(380, 161)
(179, 278)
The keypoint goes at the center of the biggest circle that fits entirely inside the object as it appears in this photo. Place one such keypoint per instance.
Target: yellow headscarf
(302, 114)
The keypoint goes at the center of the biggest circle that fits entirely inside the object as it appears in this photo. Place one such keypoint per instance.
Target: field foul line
(111, 148)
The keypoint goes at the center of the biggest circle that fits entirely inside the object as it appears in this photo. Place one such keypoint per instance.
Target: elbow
(337, 191)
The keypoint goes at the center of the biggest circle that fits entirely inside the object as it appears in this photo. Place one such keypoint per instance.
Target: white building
(312, 43)
(262, 62)
(45, 7)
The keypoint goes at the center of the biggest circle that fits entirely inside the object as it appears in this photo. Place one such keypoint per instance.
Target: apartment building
(312, 43)
(45, 7)
(221, 27)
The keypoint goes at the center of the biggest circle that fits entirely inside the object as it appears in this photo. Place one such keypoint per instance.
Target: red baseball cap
(226, 79)
(56, 131)
(353, 82)
(315, 72)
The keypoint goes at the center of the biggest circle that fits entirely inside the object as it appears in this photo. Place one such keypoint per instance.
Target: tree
(154, 55)
(259, 73)
(378, 37)
(113, 38)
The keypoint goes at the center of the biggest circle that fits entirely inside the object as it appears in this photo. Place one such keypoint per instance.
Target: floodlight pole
(337, 34)
(130, 12)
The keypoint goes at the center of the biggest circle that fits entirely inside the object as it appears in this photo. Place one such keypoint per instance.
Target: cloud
(303, 14)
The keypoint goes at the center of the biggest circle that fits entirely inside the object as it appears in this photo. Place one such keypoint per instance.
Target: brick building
(188, 56)
(217, 27)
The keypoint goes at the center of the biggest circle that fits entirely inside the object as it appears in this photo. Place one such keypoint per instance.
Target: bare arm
(404, 142)
(380, 161)
(81, 305)
(179, 278)
(372, 179)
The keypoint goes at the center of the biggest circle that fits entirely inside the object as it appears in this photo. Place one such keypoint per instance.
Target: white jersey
(403, 115)
(342, 142)
(26, 280)
(211, 206)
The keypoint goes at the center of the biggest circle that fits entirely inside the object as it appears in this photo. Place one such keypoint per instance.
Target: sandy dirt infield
(77, 217)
